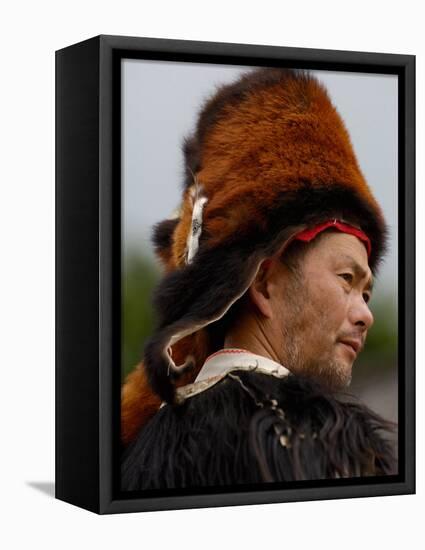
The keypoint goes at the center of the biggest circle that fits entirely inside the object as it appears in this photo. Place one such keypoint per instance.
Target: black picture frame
(88, 241)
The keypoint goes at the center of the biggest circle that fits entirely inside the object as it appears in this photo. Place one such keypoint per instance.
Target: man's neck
(255, 341)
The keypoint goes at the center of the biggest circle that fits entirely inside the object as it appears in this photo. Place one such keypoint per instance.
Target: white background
(30, 32)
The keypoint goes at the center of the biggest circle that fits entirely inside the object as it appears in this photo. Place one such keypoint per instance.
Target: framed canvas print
(235, 274)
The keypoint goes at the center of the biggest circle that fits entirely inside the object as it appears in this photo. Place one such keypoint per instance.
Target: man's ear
(259, 289)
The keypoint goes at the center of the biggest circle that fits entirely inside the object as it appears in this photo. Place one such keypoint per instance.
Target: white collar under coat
(219, 364)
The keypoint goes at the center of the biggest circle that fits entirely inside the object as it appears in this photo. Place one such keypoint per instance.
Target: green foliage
(139, 277)
(382, 336)
(381, 347)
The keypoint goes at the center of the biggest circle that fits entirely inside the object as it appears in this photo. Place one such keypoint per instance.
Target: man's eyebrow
(358, 270)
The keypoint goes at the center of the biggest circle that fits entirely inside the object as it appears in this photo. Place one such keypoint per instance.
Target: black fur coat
(252, 428)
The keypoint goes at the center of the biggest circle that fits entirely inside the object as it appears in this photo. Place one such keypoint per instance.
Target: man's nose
(361, 315)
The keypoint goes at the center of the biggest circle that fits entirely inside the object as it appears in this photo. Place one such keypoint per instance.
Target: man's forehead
(335, 241)
(351, 259)
(340, 247)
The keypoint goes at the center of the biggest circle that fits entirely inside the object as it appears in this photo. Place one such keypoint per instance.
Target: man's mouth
(352, 344)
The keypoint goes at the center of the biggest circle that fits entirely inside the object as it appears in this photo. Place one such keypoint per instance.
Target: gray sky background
(160, 104)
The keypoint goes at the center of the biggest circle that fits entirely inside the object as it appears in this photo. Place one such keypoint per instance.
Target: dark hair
(292, 257)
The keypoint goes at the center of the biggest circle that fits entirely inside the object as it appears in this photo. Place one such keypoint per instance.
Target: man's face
(322, 316)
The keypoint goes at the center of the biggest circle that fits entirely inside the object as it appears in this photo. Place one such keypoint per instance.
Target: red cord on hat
(308, 234)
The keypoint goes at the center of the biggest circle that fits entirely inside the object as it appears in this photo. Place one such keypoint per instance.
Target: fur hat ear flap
(202, 304)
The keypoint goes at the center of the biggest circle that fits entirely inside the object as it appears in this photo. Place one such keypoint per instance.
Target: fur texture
(162, 234)
(253, 428)
(139, 403)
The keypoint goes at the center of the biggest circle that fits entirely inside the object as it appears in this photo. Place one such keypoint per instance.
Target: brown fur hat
(270, 156)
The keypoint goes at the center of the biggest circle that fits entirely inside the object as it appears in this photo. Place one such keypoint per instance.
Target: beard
(308, 350)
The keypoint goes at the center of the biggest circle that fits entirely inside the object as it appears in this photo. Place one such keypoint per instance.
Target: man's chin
(342, 378)
(335, 376)
(332, 374)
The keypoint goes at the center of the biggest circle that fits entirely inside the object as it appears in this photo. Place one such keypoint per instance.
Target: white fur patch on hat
(195, 231)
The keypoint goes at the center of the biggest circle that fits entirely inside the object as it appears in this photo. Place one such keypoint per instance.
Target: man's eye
(366, 297)
(347, 276)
